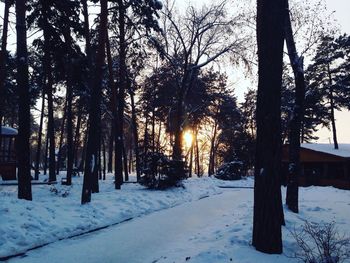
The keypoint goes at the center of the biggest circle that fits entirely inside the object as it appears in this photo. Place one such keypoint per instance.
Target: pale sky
(341, 13)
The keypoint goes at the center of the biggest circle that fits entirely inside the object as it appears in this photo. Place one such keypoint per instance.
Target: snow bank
(55, 212)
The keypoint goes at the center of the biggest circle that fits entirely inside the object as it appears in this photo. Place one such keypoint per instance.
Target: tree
(3, 58)
(144, 15)
(268, 213)
(94, 129)
(328, 72)
(23, 150)
(297, 63)
(191, 42)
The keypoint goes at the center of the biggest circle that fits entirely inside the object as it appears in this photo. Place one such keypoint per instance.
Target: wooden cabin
(8, 160)
(321, 165)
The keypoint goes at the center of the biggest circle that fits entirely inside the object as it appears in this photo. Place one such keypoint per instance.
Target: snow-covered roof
(8, 131)
(343, 151)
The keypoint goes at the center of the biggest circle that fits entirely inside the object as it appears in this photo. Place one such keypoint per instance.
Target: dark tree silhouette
(23, 148)
(94, 131)
(294, 169)
(268, 213)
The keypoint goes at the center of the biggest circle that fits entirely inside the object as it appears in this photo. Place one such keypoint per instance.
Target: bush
(230, 171)
(160, 172)
(321, 243)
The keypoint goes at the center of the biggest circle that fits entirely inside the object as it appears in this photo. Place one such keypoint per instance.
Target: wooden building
(322, 165)
(8, 160)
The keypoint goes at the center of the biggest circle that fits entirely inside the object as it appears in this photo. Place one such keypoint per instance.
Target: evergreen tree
(23, 146)
(268, 213)
(329, 73)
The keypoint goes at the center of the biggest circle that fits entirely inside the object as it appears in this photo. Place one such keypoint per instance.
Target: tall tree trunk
(77, 138)
(70, 146)
(198, 172)
(267, 235)
(212, 152)
(111, 148)
(297, 117)
(113, 105)
(191, 160)
(83, 154)
(60, 143)
(122, 79)
(49, 90)
(46, 150)
(104, 158)
(125, 163)
(69, 70)
(130, 166)
(145, 140)
(40, 133)
(135, 134)
(90, 183)
(3, 59)
(331, 101)
(23, 150)
(153, 132)
(159, 134)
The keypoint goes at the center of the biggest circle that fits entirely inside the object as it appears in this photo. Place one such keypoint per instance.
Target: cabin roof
(8, 131)
(343, 151)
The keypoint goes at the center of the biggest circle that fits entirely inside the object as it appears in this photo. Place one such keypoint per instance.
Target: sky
(341, 9)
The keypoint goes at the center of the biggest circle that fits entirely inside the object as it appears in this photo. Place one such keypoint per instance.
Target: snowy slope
(212, 230)
(56, 213)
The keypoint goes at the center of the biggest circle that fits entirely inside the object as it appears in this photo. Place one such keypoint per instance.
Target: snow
(200, 223)
(56, 212)
(8, 131)
(343, 151)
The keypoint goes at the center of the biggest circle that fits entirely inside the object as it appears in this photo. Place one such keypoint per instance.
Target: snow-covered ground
(56, 213)
(195, 229)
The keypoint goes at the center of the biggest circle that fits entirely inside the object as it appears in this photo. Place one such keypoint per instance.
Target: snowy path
(146, 239)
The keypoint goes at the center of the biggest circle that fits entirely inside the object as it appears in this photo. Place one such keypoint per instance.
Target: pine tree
(94, 131)
(23, 147)
(328, 72)
(268, 213)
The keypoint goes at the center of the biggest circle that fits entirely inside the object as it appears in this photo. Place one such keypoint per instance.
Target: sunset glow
(188, 138)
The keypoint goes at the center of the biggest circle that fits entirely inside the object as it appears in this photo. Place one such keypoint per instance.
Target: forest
(147, 91)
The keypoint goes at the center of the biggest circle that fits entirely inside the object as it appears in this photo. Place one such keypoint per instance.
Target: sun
(188, 138)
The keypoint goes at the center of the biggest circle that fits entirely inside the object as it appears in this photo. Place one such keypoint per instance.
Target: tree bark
(125, 163)
(267, 235)
(60, 143)
(90, 183)
(104, 158)
(120, 115)
(23, 146)
(212, 152)
(49, 91)
(113, 105)
(46, 150)
(77, 138)
(135, 134)
(40, 133)
(69, 83)
(294, 169)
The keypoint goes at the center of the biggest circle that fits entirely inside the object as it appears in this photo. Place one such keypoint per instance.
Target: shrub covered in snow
(230, 171)
(160, 172)
(321, 243)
